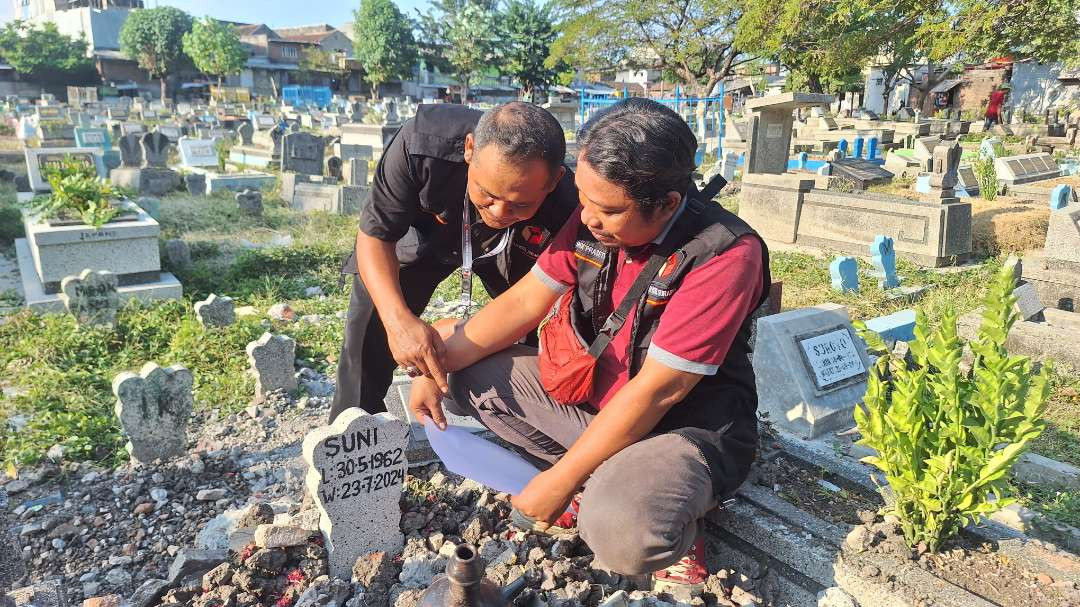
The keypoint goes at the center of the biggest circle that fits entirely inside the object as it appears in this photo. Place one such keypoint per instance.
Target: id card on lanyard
(467, 258)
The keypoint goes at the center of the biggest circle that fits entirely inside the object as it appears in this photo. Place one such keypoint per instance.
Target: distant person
(995, 105)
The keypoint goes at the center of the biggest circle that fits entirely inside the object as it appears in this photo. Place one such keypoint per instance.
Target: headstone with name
(1026, 168)
(216, 311)
(172, 131)
(91, 297)
(883, 256)
(87, 137)
(117, 113)
(771, 128)
(303, 153)
(264, 122)
(154, 407)
(40, 159)
(198, 152)
(272, 359)
(810, 368)
(356, 468)
(844, 274)
(132, 128)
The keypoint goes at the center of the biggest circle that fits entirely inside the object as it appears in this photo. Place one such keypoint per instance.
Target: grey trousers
(641, 510)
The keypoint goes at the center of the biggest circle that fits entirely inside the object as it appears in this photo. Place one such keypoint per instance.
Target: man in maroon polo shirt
(669, 428)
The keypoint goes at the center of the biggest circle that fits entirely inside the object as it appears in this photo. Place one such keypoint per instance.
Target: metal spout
(464, 585)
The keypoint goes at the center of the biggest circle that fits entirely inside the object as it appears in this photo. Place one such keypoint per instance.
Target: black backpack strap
(685, 228)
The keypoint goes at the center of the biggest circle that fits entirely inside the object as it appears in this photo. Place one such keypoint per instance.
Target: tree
(823, 46)
(41, 52)
(383, 42)
(215, 48)
(154, 38)
(462, 36)
(694, 40)
(316, 63)
(527, 34)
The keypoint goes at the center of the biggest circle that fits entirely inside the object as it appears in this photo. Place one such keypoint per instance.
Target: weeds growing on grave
(77, 192)
(986, 174)
(945, 439)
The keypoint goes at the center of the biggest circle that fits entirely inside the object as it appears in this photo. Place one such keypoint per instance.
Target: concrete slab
(166, 287)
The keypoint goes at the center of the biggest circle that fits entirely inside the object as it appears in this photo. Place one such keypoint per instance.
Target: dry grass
(1005, 227)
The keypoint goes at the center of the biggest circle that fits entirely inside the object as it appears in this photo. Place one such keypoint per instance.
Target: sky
(275, 13)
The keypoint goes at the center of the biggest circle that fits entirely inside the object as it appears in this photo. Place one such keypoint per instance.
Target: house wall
(278, 52)
(975, 91)
(1036, 87)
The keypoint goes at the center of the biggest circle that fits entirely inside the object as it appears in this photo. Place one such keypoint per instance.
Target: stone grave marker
(132, 128)
(86, 137)
(178, 254)
(333, 167)
(1060, 197)
(117, 113)
(857, 147)
(155, 150)
(883, 256)
(731, 161)
(1063, 238)
(771, 126)
(39, 159)
(250, 201)
(356, 468)
(844, 272)
(272, 358)
(195, 183)
(944, 170)
(198, 152)
(1028, 305)
(131, 154)
(151, 205)
(988, 147)
(862, 173)
(811, 369)
(91, 297)
(356, 171)
(154, 407)
(245, 132)
(302, 153)
(172, 131)
(264, 122)
(965, 178)
(216, 311)
(924, 150)
(1026, 168)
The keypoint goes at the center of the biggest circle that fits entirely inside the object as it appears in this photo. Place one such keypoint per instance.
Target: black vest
(725, 402)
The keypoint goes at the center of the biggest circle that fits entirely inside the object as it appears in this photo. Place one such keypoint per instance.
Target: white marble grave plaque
(831, 358)
(198, 152)
(356, 467)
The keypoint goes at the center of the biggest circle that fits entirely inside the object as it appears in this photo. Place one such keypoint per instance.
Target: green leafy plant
(222, 147)
(946, 439)
(986, 175)
(77, 191)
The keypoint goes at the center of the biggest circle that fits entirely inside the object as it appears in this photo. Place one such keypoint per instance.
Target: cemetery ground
(58, 433)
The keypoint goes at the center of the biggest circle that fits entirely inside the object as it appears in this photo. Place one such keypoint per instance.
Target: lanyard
(467, 258)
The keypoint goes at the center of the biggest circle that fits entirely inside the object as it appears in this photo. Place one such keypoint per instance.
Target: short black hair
(642, 146)
(522, 131)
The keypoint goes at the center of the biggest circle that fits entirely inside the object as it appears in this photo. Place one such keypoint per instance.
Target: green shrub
(77, 192)
(946, 439)
(986, 175)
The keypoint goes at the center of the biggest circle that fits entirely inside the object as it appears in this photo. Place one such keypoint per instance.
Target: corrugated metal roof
(946, 86)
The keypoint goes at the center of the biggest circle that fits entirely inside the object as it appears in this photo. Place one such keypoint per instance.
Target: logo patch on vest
(534, 235)
(661, 290)
(591, 252)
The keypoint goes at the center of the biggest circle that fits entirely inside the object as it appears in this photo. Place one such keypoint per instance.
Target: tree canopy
(154, 38)
(41, 52)
(694, 40)
(463, 37)
(383, 42)
(215, 48)
(527, 32)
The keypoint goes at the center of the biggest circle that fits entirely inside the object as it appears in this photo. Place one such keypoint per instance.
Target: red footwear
(688, 574)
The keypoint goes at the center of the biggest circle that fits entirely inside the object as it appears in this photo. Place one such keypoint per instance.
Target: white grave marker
(356, 467)
(198, 152)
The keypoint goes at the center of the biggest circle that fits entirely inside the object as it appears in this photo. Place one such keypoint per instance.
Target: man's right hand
(425, 402)
(414, 343)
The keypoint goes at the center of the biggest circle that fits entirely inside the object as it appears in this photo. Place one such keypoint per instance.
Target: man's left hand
(546, 497)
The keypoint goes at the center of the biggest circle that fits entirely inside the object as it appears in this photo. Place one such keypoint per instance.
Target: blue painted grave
(883, 256)
(845, 274)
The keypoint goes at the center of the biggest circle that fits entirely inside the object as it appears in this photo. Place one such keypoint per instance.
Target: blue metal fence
(687, 107)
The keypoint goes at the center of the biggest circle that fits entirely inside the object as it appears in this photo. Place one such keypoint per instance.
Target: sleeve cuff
(548, 281)
(679, 363)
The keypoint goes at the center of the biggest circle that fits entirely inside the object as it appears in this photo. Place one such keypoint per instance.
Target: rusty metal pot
(464, 584)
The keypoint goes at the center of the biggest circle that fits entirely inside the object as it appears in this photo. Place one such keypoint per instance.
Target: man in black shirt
(508, 164)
